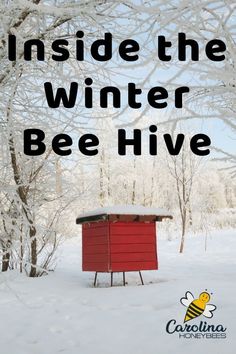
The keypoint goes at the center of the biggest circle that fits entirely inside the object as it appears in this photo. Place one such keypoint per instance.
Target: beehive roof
(124, 213)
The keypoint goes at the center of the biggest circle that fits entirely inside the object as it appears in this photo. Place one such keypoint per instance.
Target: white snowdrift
(63, 313)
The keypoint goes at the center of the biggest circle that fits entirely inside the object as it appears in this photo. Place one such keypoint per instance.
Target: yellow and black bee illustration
(197, 307)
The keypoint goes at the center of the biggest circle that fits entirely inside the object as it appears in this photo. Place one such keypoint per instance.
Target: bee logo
(197, 307)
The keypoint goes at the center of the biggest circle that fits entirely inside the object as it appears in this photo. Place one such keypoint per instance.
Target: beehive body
(119, 246)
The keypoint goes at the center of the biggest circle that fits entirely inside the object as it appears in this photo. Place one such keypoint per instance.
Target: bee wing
(186, 301)
(208, 310)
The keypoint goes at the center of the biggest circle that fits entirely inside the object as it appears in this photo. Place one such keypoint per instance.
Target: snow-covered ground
(63, 313)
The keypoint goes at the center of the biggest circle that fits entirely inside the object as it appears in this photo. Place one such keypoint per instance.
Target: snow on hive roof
(122, 210)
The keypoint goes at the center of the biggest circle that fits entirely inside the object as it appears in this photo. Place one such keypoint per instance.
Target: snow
(63, 313)
(127, 210)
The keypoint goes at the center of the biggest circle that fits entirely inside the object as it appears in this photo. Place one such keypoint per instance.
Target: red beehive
(120, 239)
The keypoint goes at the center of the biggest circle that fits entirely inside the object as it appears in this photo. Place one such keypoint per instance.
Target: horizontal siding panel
(132, 266)
(131, 257)
(96, 258)
(132, 239)
(136, 247)
(142, 229)
(95, 249)
(128, 233)
(96, 232)
(95, 225)
(101, 240)
(132, 226)
(95, 267)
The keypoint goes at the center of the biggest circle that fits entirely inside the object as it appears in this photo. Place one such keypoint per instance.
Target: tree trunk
(33, 246)
(181, 249)
(134, 185)
(101, 179)
(21, 250)
(22, 191)
(6, 247)
(6, 258)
